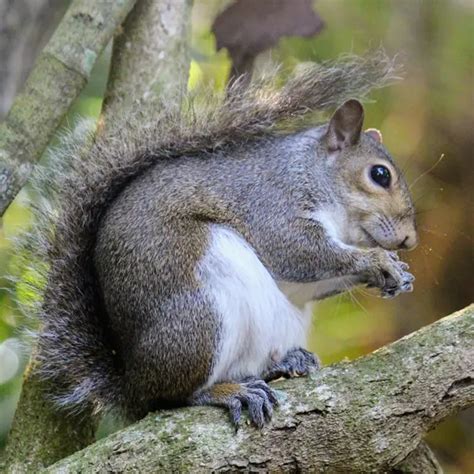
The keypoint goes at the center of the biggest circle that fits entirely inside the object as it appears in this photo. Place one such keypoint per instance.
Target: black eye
(381, 175)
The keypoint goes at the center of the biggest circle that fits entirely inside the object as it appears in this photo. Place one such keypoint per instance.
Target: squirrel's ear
(345, 126)
(375, 134)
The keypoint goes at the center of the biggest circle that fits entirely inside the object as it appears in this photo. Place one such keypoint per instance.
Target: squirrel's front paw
(297, 362)
(390, 274)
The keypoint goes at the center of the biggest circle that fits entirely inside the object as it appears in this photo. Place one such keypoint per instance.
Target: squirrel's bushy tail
(74, 350)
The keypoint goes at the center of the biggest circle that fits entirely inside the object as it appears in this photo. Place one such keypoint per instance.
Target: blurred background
(427, 123)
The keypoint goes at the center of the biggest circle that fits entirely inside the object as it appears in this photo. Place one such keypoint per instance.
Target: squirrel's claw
(406, 286)
(235, 412)
(254, 394)
(259, 399)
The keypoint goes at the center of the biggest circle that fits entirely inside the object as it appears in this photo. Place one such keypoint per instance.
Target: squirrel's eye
(381, 175)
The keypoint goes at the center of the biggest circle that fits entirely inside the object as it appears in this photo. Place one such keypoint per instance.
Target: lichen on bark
(369, 415)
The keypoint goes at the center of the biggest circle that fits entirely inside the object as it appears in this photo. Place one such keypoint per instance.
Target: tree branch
(150, 60)
(421, 460)
(60, 73)
(367, 415)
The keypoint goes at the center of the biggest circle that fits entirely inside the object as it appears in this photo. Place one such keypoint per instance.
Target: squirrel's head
(376, 202)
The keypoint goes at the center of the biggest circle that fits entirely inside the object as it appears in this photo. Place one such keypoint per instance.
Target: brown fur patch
(225, 390)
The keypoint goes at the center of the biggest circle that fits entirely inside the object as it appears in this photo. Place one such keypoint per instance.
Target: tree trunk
(151, 60)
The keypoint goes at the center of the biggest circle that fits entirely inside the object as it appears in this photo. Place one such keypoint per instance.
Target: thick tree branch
(420, 461)
(363, 416)
(60, 73)
(150, 60)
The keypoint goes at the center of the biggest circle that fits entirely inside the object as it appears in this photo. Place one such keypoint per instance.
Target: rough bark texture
(150, 60)
(364, 416)
(60, 73)
(420, 461)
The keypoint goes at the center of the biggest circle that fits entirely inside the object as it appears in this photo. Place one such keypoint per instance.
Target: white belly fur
(258, 321)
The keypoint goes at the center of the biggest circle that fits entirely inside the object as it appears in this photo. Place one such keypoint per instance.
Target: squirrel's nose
(409, 242)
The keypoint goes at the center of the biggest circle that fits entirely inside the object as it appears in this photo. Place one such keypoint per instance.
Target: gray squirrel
(166, 247)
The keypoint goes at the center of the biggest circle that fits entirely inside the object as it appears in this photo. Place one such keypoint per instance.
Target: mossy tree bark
(151, 48)
(369, 415)
(60, 73)
(151, 60)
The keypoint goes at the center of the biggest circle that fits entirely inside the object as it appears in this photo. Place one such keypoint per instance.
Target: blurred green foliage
(427, 115)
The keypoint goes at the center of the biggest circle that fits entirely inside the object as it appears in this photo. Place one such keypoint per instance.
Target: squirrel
(164, 250)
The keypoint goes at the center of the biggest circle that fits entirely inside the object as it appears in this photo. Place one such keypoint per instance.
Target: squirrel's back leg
(173, 355)
(254, 394)
(165, 369)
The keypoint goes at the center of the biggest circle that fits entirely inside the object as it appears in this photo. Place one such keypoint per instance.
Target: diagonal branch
(363, 416)
(60, 73)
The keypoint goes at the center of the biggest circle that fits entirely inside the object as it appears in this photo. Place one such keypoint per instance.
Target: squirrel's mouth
(373, 242)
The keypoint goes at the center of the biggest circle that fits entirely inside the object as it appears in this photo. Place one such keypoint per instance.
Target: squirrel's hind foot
(297, 362)
(254, 394)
